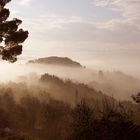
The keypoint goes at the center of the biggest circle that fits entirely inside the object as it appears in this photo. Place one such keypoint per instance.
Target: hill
(116, 84)
(54, 60)
(112, 83)
(68, 90)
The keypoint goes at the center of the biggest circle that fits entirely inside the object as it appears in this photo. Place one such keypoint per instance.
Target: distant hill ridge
(64, 61)
(68, 89)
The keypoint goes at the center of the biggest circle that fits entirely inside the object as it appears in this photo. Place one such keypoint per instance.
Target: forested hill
(54, 60)
(68, 90)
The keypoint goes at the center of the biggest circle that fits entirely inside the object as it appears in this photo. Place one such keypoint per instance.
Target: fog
(112, 83)
(128, 66)
(12, 71)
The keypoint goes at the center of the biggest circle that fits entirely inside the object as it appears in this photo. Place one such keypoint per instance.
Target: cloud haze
(95, 25)
(25, 2)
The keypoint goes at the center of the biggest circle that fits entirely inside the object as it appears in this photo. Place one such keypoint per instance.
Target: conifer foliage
(10, 36)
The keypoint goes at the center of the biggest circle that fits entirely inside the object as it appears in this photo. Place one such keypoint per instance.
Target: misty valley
(59, 99)
(69, 70)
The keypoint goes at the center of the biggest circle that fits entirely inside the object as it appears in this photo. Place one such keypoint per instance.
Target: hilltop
(55, 60)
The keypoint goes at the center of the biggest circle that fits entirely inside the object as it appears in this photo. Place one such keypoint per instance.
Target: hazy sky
(97, 32)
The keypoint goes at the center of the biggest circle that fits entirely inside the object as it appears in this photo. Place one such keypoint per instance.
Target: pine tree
(10, 36)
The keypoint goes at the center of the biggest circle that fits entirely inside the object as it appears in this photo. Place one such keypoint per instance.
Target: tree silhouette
(136, 98)
(83, 122)
(10, 36)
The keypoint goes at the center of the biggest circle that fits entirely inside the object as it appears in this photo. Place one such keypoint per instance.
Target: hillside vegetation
(56, 109)
(63, 61)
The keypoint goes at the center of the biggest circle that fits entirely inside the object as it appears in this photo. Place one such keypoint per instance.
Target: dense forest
(35, 112)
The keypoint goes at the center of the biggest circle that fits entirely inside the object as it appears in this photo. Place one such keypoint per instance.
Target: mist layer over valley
(111, 83)
(57, 93)
(89, 87)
